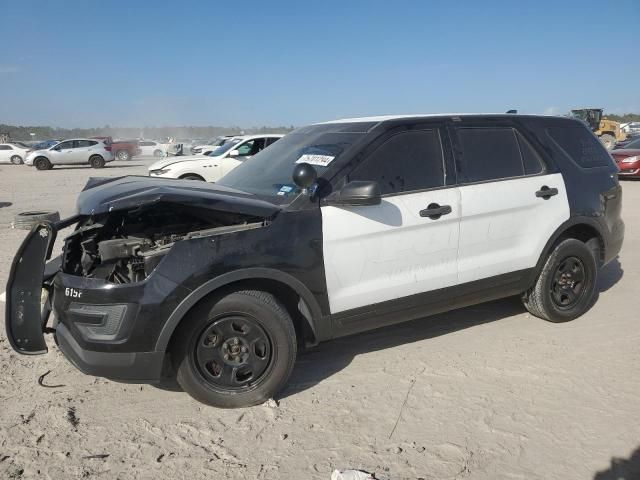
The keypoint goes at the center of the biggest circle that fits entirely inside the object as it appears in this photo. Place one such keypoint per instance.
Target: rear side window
(406, 162)
(5, 147)
(83, 143)
(531, 160)
(489, 154)
(580, 145)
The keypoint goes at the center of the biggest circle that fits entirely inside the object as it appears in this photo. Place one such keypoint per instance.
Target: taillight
(107, 148)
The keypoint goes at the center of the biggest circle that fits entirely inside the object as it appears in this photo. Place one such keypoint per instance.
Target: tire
(157, 153)
(42, 163)
(123, 155)
(609, 141)
(16, 160)
(192, 176)
(559, 298)
(96, 161)
(235, 351)
(27, 220)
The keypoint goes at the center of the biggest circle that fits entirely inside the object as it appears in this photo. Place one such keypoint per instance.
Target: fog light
(97, 322)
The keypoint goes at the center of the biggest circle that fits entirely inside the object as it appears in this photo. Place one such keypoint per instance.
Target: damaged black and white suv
(337, 228)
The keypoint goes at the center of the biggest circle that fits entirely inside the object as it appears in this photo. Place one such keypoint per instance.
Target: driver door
(392, 255)
(62, 153)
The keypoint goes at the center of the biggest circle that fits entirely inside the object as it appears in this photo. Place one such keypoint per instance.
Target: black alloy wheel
(568, 283)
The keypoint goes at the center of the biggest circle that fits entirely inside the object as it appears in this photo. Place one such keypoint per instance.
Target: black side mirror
(304, 175)
(356, 193)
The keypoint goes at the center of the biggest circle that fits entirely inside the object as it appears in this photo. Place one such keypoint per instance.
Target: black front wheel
(565, 288)
(42, 163)
(236, 351)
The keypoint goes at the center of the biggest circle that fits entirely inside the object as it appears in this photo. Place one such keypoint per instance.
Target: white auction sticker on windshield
(311, 159)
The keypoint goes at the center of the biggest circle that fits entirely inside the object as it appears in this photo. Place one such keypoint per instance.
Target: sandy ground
(482, 393)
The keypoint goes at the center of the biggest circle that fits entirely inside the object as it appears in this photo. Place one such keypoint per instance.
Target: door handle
(435, 211)
(546, 192)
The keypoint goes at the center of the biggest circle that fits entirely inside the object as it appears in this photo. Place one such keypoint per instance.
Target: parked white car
(76, 151)
(211, 145)
(217, 164)
(12, 153)
(151, 148)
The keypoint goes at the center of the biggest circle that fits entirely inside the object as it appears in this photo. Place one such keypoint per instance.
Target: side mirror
(234, 153)
(304, 175)
(356, 193)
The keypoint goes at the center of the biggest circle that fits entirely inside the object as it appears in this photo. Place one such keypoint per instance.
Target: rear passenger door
(510, 205)
(83, 149)
(382, 254)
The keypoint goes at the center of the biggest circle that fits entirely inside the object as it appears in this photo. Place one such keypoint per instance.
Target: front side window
(65, 145)
(406, 162)
(491, 153)
(251, 147)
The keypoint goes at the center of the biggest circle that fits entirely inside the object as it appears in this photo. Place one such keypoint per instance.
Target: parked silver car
(77, 151)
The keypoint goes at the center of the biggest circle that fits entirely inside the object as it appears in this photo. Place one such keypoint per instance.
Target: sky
(92, 63)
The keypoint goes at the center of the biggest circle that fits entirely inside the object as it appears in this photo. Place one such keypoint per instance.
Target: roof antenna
(512, 111)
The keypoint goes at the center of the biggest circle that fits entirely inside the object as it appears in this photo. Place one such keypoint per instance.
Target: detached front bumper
(25, 319)
(103, 329)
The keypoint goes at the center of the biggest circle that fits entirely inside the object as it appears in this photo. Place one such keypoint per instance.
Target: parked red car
(628, 161)
(122, 149)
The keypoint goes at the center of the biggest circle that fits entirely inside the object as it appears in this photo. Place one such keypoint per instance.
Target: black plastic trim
(143, 367)
(318, 327)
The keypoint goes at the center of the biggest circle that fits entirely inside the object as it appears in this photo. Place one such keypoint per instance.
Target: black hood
(102, 195)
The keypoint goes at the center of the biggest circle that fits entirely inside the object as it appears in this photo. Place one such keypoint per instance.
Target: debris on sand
(41, 381)
(351, 475)
(72, 418)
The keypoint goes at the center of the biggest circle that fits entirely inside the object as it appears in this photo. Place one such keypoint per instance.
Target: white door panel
(383, 252)
(504, 226)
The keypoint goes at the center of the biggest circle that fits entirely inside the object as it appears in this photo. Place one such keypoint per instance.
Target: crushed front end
(109, 291)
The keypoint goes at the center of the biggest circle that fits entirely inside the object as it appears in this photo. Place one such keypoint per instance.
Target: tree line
(24, 133)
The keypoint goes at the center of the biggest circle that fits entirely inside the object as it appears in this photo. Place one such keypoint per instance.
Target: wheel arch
(580, 228)
(296, 297)
(182, 176)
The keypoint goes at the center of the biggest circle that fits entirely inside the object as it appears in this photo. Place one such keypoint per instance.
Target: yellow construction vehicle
(608, 130)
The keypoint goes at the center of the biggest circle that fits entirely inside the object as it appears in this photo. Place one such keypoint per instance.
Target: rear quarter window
(580, 145)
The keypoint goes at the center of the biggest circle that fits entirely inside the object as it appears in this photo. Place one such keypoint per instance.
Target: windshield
(224, 148)
(217, 141)
(269, 172)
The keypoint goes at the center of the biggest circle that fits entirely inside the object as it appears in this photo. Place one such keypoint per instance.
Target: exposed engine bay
(126, 246)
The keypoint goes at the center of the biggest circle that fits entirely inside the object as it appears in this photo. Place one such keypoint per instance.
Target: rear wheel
(96, 161)
(237, 351)
(609, 141)
(565, 288)
(123, 155)
(42, 163)
(16, 160)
